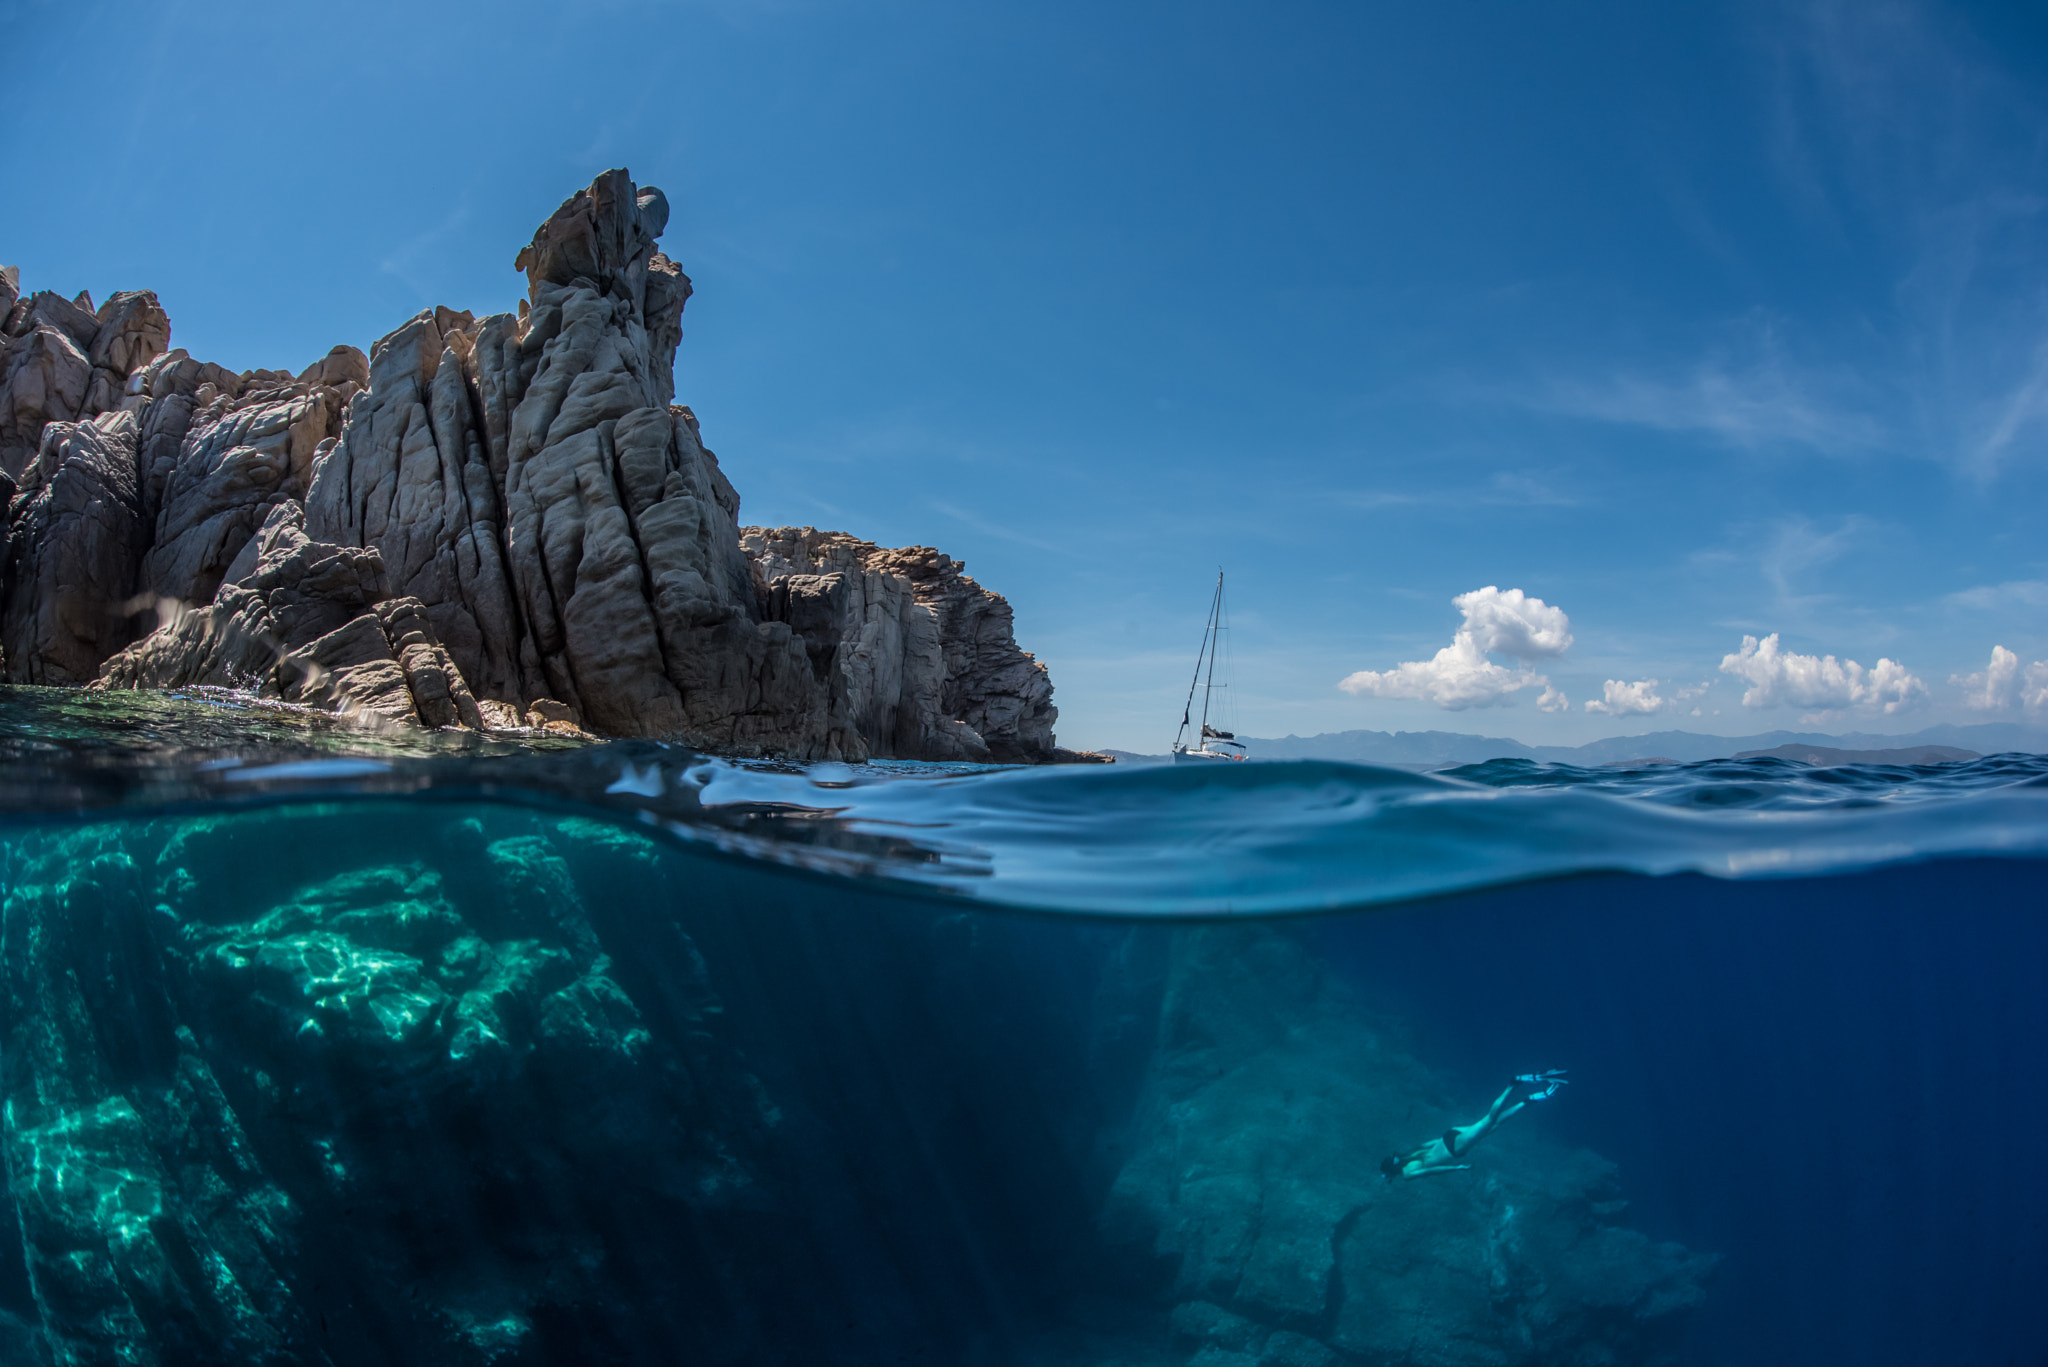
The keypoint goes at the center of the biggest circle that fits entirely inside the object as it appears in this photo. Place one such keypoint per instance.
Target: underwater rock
(1253, 1177)
(145, 1220)
(388, 1114)
(309, 623)
(75, 536)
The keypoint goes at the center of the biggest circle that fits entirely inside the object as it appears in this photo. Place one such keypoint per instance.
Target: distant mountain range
(1438, 749)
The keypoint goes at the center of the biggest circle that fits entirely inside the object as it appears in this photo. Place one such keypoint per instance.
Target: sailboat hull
(1202, 756)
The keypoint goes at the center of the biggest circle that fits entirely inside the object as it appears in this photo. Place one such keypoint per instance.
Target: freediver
(1441, 1154)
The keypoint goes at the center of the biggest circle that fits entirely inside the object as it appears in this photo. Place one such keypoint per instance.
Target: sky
(1549, 371)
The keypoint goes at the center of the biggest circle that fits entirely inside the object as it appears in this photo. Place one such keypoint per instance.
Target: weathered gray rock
(310, 623)
(1253, 1172)
(75, 538)
(132, 329)
(530, 484)
(44, 376)
(62, 361)
(234, 460)
(921, 661)
(529, 481)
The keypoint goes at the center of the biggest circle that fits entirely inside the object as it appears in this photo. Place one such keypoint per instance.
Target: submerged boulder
(392, 1114)
(1253, 1176)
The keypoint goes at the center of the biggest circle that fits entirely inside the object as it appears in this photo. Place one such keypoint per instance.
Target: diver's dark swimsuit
(1451, 1142)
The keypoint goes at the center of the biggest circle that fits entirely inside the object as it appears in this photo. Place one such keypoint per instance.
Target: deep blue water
(335, 1051)
(1835, 1082)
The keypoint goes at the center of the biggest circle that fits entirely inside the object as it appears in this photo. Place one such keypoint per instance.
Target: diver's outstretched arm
(1437, 1167)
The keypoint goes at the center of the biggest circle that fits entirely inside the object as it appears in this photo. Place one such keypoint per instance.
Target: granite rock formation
(917, 656)
(309, 623)
(75, 537)
(529, 482)
(1253, 1177)
(61, 360)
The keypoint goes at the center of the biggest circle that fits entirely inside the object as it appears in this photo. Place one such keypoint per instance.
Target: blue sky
(1696, 323)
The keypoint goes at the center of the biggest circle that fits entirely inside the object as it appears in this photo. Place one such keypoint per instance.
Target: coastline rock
(62, 361)
(213, 473)
(922, 662)
(310, 623)
(528, 480)
(534, 492)
(1253, 1177)
(75, 537)
(44, 377)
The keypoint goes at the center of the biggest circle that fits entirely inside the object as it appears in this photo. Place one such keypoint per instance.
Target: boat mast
(1215, 625)
(1187, 708)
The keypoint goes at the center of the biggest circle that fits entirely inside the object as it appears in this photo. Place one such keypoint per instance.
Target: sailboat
(1209, 743)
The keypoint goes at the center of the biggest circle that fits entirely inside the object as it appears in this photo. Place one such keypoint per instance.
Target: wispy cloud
(1749, 395)
(1910, 150)
(996, 529)
(1501, 488)
(1797, 546)
(2013, 593)
(404, 261)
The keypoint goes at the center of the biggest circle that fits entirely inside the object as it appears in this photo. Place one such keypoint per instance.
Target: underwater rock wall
(1254, 1177)
(528, 481)
(388, 1083)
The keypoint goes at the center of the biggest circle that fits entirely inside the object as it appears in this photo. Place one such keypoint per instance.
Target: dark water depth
(324, 1049)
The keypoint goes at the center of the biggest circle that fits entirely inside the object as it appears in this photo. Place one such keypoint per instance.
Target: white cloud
(1620, 699)
(1512, 623)
(1460, 675)
(1553, 701)
(2003, 686)
(1640, 699)
(1779, 676)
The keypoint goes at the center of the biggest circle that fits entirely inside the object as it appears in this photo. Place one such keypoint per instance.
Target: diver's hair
(1391, 1165)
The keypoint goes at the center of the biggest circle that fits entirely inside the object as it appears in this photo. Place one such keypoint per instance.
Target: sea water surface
(329, 1046)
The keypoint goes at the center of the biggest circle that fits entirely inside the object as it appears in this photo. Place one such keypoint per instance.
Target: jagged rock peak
(600, 234)
(529, 486)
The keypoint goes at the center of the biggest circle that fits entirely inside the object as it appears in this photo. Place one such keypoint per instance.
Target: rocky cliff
(542, 516)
